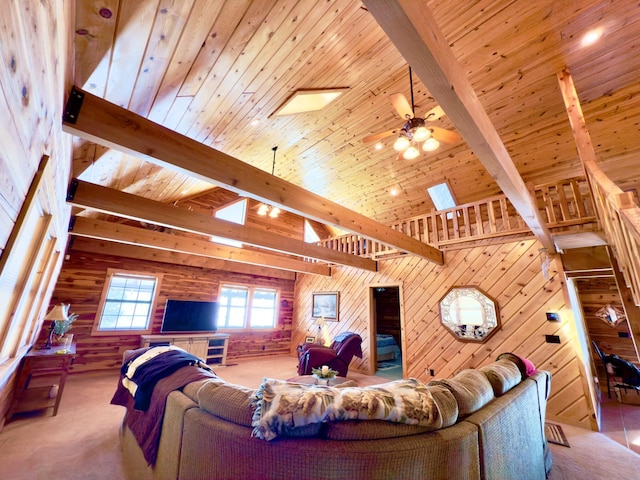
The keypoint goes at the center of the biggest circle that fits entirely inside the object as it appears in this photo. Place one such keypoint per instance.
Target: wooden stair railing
(620, 217)
(566, 203)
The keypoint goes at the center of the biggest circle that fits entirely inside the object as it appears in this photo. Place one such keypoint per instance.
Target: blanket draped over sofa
(485, 424)
(156, 378)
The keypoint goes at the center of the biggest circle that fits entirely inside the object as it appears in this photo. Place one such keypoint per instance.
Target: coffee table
(311, 380)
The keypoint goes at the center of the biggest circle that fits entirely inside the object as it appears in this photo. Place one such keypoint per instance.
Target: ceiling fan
(416, 132)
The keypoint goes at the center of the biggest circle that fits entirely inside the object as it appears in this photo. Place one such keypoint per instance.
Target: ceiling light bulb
(591, 37)
(421, 134)
(411, 153)
(401, 143)
(430, 145)
(393, 192)
(378, 146)
(263, 209)
(275, 211)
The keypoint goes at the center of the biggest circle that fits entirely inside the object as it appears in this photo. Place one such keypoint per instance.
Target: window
(310, 235)
(241, 306)
(235, 212)
(128, 302)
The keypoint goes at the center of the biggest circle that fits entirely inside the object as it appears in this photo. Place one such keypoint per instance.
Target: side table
(40, 373)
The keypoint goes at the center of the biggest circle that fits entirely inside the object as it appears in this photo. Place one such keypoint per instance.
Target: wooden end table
(41, 371)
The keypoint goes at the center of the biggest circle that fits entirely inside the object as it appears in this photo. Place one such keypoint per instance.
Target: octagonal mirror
(469, 314)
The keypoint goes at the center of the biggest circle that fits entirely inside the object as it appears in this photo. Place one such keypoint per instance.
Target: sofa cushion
(471, 389)
(503, 376)
(227, 401)
(368, 430)
(283, 405)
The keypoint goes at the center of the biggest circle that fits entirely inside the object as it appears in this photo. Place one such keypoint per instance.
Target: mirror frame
(480, 333)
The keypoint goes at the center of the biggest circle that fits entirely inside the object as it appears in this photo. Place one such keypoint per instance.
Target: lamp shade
(59, 312)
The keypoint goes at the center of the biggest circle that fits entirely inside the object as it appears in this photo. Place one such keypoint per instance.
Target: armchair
(338, 356)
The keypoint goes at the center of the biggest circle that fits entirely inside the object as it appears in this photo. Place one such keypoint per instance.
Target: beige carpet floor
(81, 442)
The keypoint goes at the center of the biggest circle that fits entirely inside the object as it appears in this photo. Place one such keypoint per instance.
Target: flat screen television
(186, 316)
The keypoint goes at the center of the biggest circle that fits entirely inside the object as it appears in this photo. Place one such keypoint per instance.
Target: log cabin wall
(35, 159)
(510, 273)
(82, 280)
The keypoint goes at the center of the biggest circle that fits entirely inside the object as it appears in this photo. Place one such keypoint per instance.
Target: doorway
(386, 330)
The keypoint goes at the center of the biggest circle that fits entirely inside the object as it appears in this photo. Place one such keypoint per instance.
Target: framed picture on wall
(309, 339)
(326, 305)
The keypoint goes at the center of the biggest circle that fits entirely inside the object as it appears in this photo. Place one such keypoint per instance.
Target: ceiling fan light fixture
(401, 143)
(430, 145)
(421, 134)
(411, 153)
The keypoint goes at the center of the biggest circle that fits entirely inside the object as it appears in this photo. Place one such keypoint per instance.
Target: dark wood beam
(412, 29)
(114, 202)
(126, 234)
(92, 118)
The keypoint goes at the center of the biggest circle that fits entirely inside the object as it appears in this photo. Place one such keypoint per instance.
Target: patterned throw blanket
(146, 424)
(282, 406)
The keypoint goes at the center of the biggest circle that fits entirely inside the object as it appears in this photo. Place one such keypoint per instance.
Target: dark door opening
(386, 310)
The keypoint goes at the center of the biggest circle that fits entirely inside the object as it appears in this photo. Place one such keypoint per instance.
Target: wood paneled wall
(34, 74)
(511, 273)
(82, 280)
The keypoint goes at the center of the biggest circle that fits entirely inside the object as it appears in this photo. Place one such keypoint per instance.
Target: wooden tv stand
(211, 347)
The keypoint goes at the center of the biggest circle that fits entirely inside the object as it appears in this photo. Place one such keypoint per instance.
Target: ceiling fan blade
(444, 135)
(402, 106)
(434, 114)
(379, 136)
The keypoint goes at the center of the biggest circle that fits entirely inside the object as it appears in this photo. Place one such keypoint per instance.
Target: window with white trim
(241, 306)
(128, 302)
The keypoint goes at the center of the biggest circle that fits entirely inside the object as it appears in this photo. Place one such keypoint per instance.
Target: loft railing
(620, 217)
(567, 205)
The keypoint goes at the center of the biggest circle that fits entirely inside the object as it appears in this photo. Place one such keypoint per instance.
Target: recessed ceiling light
(309, 100)
(255, 122)
(591, 37)
(393, 192)
(378, 146)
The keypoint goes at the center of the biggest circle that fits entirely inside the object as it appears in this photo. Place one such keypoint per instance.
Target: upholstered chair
(338, 356)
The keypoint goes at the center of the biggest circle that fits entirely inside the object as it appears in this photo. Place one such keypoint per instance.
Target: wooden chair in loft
(623, 373)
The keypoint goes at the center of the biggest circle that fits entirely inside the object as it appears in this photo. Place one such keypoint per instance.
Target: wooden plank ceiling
(217, 71)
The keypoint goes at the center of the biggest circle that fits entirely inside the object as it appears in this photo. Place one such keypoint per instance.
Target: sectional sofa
(485, 423)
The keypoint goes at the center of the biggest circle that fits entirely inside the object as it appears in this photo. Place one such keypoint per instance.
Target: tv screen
(189, 316)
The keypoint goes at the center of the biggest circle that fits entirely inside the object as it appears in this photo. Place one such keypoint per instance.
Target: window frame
(111, 272)
(251, 289)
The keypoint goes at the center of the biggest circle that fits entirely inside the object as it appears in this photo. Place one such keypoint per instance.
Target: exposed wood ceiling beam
(92, 118)
(412, 29)
(104, 247)
(115, 202)
(114, 232)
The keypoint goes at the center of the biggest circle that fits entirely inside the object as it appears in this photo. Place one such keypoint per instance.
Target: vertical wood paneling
(510, 273)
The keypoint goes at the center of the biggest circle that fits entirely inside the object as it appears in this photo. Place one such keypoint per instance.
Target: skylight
(309, 101)
(441, 196)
